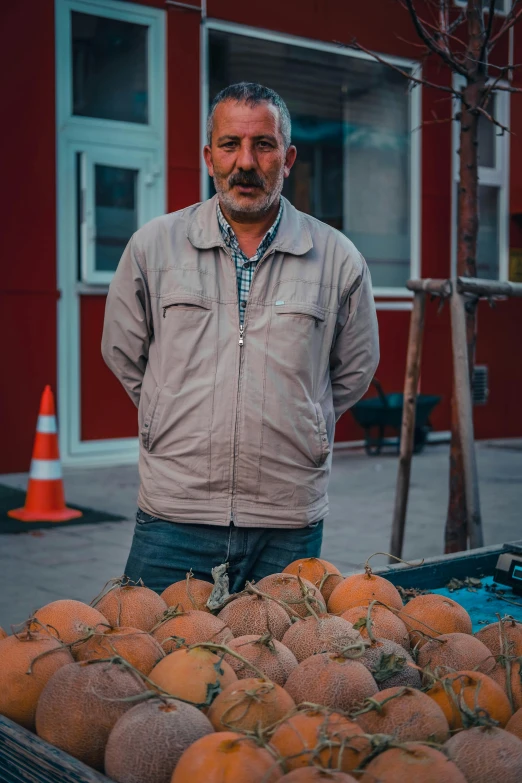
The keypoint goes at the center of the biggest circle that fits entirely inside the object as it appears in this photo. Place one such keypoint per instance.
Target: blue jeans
(162, 552)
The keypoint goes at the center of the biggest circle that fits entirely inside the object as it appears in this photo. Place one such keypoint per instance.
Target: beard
(250, 208)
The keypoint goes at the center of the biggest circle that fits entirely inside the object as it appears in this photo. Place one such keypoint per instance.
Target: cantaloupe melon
(147, 742)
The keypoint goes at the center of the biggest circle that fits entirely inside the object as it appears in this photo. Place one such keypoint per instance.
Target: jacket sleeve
(355, 353)
(127, 327)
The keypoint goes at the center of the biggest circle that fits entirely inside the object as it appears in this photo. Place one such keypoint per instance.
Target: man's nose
(246, 158)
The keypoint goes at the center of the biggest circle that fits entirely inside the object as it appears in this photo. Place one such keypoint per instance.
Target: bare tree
(463, 40)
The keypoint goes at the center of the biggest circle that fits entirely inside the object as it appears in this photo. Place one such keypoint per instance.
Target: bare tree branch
(511, 18)
(458, 21)
(505, 88)
(411, 43)
(495, 85)
(444, 24)
(436, 121)
(430, 45)
(422, 82)
(492, 120)
(444, 30)
(448, 35)
(431, 42)
(504, 68)
(489, 28)
(436, 28)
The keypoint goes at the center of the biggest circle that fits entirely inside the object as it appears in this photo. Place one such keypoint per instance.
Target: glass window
(351, 127)
(487, 138)
(110, 76)
(488, 237)
(115, 214)
(488, 234)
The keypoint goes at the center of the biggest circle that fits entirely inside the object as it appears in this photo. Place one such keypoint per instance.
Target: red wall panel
(28, 293)
(28, 324)
(516, 159)
(183, 101)
(498, 346)
(370, 22)
(183, 187)
(106, 409)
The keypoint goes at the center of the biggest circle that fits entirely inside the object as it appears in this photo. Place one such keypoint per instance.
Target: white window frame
(124, 12)
(91, 156)
(497, 176)
(106, 140)
(414, 124)
(502, 9)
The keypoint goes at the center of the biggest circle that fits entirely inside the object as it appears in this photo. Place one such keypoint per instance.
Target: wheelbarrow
(385, 410)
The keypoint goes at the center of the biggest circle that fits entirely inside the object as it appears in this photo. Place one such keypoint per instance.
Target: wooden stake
(411, 384)
(462, 391)
(488, 288)
(437, 287)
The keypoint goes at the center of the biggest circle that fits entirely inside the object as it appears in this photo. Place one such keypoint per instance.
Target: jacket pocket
(150, 421)
(185, 301)
(322, 436)
(301, 310)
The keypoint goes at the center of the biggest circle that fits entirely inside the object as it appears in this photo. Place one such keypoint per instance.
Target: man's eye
(265, 144)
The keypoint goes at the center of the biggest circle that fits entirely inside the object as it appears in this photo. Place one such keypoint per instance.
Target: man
(242, 329)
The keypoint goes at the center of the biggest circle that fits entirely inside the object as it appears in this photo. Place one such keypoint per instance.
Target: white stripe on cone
(46, 424)
(46, 469)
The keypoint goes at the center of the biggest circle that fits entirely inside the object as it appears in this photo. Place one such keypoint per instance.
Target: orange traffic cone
(45, 500)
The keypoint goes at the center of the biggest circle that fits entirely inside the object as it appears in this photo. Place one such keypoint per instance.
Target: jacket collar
(293, 235)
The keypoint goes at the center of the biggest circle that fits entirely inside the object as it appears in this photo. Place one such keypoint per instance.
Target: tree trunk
(456, 533)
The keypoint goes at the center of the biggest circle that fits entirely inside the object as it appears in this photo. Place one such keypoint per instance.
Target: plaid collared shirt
(245, 266)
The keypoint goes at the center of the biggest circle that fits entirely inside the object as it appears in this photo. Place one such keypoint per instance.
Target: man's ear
(207, 155)
(290, 157)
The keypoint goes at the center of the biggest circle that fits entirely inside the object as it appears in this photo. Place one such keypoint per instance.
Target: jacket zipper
(241, 342)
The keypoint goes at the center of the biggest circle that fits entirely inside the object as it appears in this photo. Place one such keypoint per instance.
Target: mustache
(246, 178)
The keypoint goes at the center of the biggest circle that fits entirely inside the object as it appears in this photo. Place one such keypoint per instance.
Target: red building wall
(28, 294)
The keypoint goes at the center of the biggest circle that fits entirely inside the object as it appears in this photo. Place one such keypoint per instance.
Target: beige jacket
(239, 426)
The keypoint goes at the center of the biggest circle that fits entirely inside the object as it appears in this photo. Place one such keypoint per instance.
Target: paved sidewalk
(76, 561)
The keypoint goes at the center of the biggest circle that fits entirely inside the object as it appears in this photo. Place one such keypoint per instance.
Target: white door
(110, 79)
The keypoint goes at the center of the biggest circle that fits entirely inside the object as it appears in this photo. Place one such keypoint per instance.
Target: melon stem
(168, 614)
(402, 614)
(367, 568)
(156, 691)
(369, 622)
(213, 647)
(374, 704)
(505, 660)
(117, 581)
(249, 588)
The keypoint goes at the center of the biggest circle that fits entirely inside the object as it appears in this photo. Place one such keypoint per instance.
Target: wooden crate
(25, 758)
(437, 571)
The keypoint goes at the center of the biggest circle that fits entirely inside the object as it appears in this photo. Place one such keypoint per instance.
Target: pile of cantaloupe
(305, 676)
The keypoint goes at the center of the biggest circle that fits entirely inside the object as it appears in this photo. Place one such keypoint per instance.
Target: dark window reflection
(116, 214)
(351, 127)
(109, 68)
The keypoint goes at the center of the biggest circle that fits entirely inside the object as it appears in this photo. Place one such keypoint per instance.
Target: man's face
(247, 158)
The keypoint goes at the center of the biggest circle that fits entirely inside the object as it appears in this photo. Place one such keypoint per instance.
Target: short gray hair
(252, 94)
